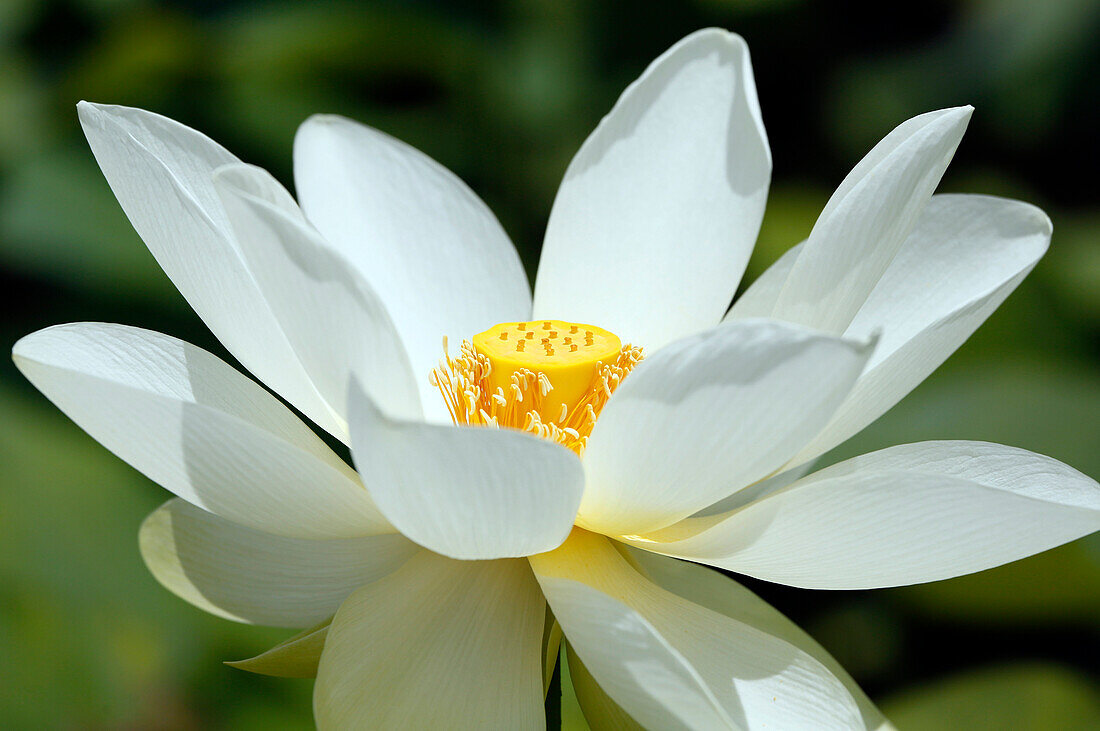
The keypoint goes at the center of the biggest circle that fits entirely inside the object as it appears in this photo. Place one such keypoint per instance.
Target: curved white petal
(295, 657)
(335, 321)
(903, 515)
(760, 298)
(753, 492)
(466, 492)
(600, 712)
(438, 644)
(251, 576)
(671, 663)
(161, 172)
(708, 415)
(965, 257)
(866, 221)
(551, 646)
(722, 594)
(192, 424)
(434, 253)
(657, 214)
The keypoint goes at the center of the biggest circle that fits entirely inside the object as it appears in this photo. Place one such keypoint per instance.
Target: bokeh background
(503, 93)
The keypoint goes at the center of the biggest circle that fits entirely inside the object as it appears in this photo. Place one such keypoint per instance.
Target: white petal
(466, 492)
(903, 515)
(250, 576)
(333, 318)
(438, 644)
(866, 221)
(747, 495)
(161, 173)
(434, 253)
(658, 212)
(295, 657)
(760, 298)
(197, 427)
(965, 257)
(671, 663)
(708, 415)
(600, 712)
(551, 647)
(722, 594)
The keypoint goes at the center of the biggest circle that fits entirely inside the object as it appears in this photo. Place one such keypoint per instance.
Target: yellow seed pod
(568, 354)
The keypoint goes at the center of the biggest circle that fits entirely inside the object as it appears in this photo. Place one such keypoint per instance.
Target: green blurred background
(503, 93)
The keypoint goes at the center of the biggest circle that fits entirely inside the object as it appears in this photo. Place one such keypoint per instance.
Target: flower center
(547, 377)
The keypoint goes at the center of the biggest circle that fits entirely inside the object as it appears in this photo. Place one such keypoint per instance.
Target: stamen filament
(471, 400)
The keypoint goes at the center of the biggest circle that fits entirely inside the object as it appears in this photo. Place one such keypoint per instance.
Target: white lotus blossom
(423, 575)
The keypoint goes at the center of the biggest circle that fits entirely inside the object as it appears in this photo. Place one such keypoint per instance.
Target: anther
(553, 334)
(572, 348)
(504, 335)
(520, 344)
(547, 325)
(529, 335)
(573, 329)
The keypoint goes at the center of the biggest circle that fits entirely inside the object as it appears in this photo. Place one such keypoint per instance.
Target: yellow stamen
(551, 390)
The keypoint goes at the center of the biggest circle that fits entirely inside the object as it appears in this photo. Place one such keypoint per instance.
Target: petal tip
(717, 34)
(962, 111)
(90, 114)
(314, 123)
(24, 348)
(1041, 218)
(235, 176)
(730, 47)
(961, 114)
(90, 111)
(957, 119)
(327, 120)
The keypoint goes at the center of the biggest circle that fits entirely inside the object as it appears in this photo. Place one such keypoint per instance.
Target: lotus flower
(576, 445)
